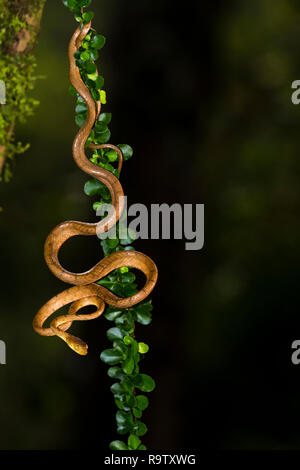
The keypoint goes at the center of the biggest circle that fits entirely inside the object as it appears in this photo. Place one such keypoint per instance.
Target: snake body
(84, 291)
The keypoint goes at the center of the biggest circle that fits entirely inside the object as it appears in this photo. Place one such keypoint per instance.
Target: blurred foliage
(250, 169)
(18, 72)
(212, 122)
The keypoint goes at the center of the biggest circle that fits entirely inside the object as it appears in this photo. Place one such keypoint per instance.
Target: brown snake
(85, 292)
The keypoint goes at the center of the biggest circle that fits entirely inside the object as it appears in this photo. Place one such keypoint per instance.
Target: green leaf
(121, 347)
(88, 16)
(114, 333)
(123, 270)
(102, 97)
(129, 238)
(92, 76)
(117, 388)
(72, 4)
(144, 318)
(133, 441)
(118, 445)
(85, 44)
(72, 91)
(128, 365)
(84, 3)
(120, 248)
(108, 244)
(128, 384)
(140, 428)
(130, 400)
(80, 119)
(85, 56)
(90, 67)
(123, 417)
(113, 276)
(142, 402)
(145, 383)
(128, 277)
(117, 289)
(116, 373)
(137, 412)
(134, 345)
(129, 289)
(143, 312)
(128, 340)
(105, 118)
(119, 402)
(145, 306)
(95, 94)
(97, 205)
(112, 313)
(98, 41)
(142, 447)
(95, 56)
(80, 108)
(93, 187)
(143, 348)
(122, 429)
(126, 151)
(111, 356)
(112, 155)
(107, 281)
(103, 136)
(125, 321)
(100, 127)
(108, 167)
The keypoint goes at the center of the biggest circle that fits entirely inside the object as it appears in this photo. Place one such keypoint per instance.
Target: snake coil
(84, 291)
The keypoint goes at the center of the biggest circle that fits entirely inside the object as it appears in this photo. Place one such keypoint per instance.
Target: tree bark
(30, 12)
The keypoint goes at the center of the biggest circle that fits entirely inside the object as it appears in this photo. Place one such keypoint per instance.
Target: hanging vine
(112, 280)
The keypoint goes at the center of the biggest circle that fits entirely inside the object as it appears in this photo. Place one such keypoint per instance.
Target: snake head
(79, 346)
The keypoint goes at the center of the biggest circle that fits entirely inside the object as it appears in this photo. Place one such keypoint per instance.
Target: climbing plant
(126, 353)
(19, 27)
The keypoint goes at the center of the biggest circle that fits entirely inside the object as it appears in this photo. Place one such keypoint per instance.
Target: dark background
(202, 91)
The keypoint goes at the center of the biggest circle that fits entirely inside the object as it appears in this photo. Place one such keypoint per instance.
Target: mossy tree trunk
(20, 25)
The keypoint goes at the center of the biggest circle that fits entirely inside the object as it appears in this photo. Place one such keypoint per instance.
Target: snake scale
(85, 292)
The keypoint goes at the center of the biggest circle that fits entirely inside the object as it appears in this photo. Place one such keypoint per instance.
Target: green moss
(18, 71)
